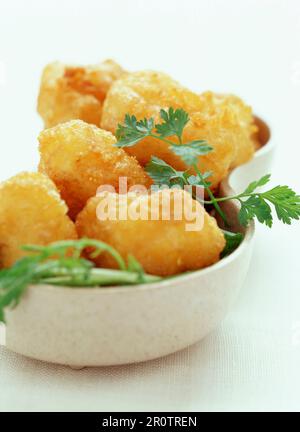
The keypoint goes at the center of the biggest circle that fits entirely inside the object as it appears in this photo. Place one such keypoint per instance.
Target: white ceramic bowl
(111, 326)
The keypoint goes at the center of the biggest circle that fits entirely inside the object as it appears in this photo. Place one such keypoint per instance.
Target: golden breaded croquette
(68, 92)
(163, 247)
(80, 157)
(244, 135)
(31, 212)
(144, 94)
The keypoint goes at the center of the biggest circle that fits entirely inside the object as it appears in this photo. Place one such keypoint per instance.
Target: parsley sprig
(172, 124)
(233, 240)
(61, 264)
(253, 204)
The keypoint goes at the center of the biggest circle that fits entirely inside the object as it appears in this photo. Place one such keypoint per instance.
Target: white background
(251, 48)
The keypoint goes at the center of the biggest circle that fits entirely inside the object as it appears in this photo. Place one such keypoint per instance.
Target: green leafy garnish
(195, 180)
(190, 153)
(174, 121)
(257, 205)
(286, 203)
(233, 240)
(257, 183)
(163, 173)
(254, 205)
(61, 264)
(133, 131)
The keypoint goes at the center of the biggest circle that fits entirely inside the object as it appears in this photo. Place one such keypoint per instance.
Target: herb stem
(100, 277)
(213, 201)
(161, 139)
(228, 198)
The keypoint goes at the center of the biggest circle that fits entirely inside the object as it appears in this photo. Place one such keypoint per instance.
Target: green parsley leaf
(258, 183)
(189, 153)
(133, 131)
(233, 240)
(164, 174)
(255, 206)
(195, 180)
(174, 121)
(285, 201)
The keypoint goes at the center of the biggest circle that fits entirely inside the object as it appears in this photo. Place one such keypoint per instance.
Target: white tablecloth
(251, 48)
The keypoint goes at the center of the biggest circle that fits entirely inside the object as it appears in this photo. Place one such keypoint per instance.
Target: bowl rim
(171, 281)
(188, 276)
(268, 146)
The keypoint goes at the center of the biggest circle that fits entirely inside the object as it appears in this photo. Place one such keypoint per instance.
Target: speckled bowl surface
(112, 326)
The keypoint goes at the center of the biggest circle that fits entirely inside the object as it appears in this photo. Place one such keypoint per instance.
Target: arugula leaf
(133, 131)
(189, 153)
(233, 240)
(174, 121)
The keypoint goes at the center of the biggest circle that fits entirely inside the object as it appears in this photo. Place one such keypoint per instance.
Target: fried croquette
(163, 245)
(31, 212)
(80, 158)
(245, 133)
(144, 94)
(68, 93)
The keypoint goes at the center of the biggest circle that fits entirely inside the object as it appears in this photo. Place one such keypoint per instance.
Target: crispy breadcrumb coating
(70, 92)
(163, 247)
(224, 121)
(80, 158)
(31, 212)
(245, 128)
